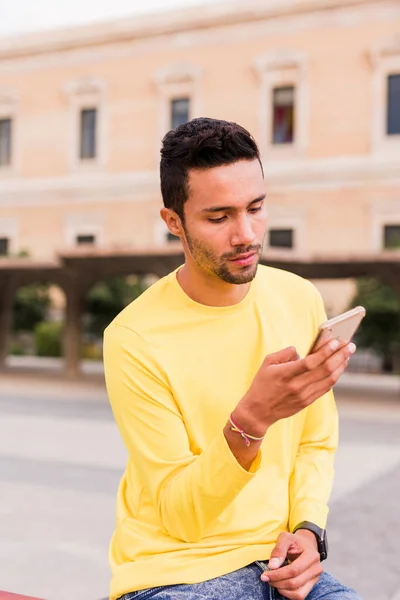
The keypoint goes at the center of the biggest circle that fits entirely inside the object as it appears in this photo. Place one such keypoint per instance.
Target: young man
(230, 434)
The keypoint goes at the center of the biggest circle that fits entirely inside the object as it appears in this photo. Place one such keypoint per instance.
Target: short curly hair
(201, 143)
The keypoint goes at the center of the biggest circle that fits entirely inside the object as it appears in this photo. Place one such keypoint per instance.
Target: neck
(207, 289)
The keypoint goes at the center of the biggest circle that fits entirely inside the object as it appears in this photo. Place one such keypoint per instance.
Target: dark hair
(200, 144)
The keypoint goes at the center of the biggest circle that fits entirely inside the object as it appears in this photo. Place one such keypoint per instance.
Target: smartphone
(341, 328)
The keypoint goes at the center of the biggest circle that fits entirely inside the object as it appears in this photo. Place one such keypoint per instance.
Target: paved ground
(61, 459)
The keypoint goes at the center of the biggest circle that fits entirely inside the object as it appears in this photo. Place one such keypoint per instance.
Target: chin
(246, 276)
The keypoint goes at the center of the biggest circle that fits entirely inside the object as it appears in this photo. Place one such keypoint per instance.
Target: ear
(172, 221)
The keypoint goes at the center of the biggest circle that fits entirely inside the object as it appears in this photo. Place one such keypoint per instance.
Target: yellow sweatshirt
(175, 369)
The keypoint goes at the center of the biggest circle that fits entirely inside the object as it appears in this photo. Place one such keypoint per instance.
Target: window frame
(172, 83)
(7, 164)
(9, 109)
(275, 92)
(82, 112)
(280, 69)
(388, 214)
(171, 103)
(7, 239)
(397, 75)
(9, 230)
(384, 227)
(82, 224)
(281, 229)
(83, 94)
(279, 219)
(385, 61)
(83, 235)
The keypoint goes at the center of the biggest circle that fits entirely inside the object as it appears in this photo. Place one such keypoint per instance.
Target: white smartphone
(342, 328)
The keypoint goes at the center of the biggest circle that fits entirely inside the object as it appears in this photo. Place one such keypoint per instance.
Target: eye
(255, 209)
(219, 220)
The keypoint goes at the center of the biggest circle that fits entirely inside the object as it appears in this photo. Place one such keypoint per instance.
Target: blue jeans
(244, 584)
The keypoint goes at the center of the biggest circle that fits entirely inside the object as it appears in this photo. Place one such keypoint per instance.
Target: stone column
(73, 327)
(6, 302)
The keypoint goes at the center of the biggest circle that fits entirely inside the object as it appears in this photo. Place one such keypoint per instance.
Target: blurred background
(87, 91)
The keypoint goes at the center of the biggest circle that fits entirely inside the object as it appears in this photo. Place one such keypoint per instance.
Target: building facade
(317, 82)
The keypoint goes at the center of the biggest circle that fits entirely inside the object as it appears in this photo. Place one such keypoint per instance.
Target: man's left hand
(296, 580)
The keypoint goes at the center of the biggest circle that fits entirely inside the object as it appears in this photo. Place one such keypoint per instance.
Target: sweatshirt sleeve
(312, 477)
(189, 490)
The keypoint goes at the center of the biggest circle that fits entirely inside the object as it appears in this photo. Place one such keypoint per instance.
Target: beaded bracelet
(246, 436)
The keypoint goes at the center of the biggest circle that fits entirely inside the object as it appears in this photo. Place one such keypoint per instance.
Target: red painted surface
(10, 596)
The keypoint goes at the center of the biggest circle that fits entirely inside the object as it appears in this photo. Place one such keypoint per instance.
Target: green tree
(380, 329)
(107, 298)
(31, 304)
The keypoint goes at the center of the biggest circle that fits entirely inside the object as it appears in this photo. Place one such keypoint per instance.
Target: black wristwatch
(320, 535)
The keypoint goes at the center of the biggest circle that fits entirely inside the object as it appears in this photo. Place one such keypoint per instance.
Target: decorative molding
(283, 58)
(177, 73)
(9, 98)
(172, 21)
(383, 49)
(85, 86)
(149, 35)
(296, 174)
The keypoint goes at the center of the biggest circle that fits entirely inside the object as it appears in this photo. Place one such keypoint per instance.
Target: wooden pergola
(77, 271)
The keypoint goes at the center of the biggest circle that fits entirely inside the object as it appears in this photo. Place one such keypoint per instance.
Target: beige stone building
(317, 82)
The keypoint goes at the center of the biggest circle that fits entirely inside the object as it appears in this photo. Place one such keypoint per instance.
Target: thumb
(279, 553)
(282, 356)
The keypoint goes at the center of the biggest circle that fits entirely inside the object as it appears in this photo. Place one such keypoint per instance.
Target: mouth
(244, 259)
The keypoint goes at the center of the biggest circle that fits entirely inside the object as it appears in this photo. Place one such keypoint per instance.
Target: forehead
(239, 182)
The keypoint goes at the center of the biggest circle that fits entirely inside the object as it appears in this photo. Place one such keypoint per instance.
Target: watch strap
(320, 536)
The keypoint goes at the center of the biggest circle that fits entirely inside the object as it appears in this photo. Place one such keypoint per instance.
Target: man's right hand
(285, 384)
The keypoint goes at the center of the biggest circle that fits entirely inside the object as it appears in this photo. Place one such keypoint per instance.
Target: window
(283, 115)
(391, 236)
(86, 239)
(393, 109)
(5, 142)
(179, 112)
(88, 133)
(4, 242)
(281, 238)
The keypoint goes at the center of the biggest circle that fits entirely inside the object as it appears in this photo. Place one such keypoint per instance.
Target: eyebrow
(217, 209)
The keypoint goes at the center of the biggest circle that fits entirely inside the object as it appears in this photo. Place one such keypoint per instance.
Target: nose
(243, 234)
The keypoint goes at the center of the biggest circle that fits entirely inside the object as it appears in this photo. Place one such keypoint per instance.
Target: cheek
(260, 223)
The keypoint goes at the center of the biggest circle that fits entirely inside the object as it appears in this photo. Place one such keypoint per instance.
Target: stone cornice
(161, 24)
(330, 173)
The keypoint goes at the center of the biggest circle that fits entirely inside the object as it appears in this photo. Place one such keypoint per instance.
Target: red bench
(10, 596)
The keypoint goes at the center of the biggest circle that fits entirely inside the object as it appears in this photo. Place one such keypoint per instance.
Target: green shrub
(17, 349)
(48, 339)
(380, 330)
(31, 304)
(91, 352)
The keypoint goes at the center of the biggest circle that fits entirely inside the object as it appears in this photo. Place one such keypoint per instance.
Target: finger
(323, 386)
(325, 352)
(283, 356)
(326, 370)
(300, 593)
(286, 541)
(308, 561)
(302, 578)
(312, 361)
